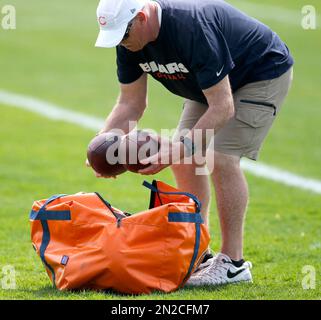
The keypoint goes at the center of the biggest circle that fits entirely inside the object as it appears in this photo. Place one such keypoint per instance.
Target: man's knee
(222, 163)
(190, 168)
(225, 162)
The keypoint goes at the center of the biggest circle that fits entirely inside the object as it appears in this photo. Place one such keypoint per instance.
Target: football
(139, 144)
(103, 154)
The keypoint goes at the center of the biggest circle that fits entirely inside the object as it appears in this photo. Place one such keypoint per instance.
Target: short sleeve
(128, 69)
(211, 59)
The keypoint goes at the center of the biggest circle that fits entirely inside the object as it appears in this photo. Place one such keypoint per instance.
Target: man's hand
(169, 153)
(98, 175)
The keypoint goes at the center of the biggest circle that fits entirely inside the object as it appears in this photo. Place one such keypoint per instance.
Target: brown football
(103, 156)
(139, 145)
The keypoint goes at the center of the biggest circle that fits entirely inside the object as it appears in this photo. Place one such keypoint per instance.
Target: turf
(51, 56)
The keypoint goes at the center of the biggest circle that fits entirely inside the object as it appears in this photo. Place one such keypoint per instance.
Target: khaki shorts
(256, 106)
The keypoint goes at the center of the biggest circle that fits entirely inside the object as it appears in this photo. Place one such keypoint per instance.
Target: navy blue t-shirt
(199, 43)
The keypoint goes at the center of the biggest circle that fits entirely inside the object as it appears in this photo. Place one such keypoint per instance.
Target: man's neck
(154, 20)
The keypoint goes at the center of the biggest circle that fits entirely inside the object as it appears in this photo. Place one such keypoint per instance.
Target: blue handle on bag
(42, 214)
(193, 197)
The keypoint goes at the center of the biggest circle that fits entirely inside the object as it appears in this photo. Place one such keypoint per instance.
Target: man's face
(135, 39)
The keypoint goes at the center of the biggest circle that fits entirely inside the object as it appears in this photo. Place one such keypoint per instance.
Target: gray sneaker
(206, 261)
(220, 270)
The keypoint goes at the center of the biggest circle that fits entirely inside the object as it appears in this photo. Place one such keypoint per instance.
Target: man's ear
(141, 16)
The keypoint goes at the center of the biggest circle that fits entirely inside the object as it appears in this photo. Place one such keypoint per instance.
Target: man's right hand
(98, 175)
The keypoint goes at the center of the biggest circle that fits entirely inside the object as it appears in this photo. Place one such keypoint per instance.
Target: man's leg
(256, 107)
(187, 180)
(231, 198)
(185, 174)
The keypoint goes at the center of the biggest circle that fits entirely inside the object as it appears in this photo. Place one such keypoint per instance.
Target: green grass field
(51, 56)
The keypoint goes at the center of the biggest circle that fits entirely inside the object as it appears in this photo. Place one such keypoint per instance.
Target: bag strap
(153, 188)
(51, 199)
(43, 214)
(186, 217)
(197, 219)
(195, 253)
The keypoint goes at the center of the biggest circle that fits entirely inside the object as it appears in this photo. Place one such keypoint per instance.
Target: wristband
(189, 145)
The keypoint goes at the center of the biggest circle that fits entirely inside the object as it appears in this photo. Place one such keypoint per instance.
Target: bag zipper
(109, 206)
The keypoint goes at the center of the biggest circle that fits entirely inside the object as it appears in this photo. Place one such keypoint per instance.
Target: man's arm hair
(130, 105)
(220, 109)
(220, 103)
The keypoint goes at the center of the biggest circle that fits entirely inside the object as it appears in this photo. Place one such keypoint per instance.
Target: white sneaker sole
(237, 281)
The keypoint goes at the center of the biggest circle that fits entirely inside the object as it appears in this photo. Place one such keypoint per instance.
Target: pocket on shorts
(255, 113)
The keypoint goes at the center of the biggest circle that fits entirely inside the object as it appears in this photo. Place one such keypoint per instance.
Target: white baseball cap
(113, 17)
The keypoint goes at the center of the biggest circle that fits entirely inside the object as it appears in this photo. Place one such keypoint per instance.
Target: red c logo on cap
(102, 21)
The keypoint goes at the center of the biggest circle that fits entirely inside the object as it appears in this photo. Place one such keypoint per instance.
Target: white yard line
(49, 110)
(54, 112)
(279, 175)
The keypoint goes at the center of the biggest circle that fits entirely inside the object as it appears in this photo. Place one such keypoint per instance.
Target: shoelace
(215, 273)
(204, 265)
(215, 270)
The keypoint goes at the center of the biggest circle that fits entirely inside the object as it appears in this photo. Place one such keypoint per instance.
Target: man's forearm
(212, 120)
(215, 118)
(220, 109)
(120, 118)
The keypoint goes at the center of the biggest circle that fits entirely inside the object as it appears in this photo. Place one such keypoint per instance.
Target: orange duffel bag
(85, 243)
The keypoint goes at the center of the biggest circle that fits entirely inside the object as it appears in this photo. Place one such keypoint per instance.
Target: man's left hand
(169, 153)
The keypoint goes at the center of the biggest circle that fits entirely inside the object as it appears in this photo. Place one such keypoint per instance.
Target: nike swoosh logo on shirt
(219, 73)
(232, 275)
